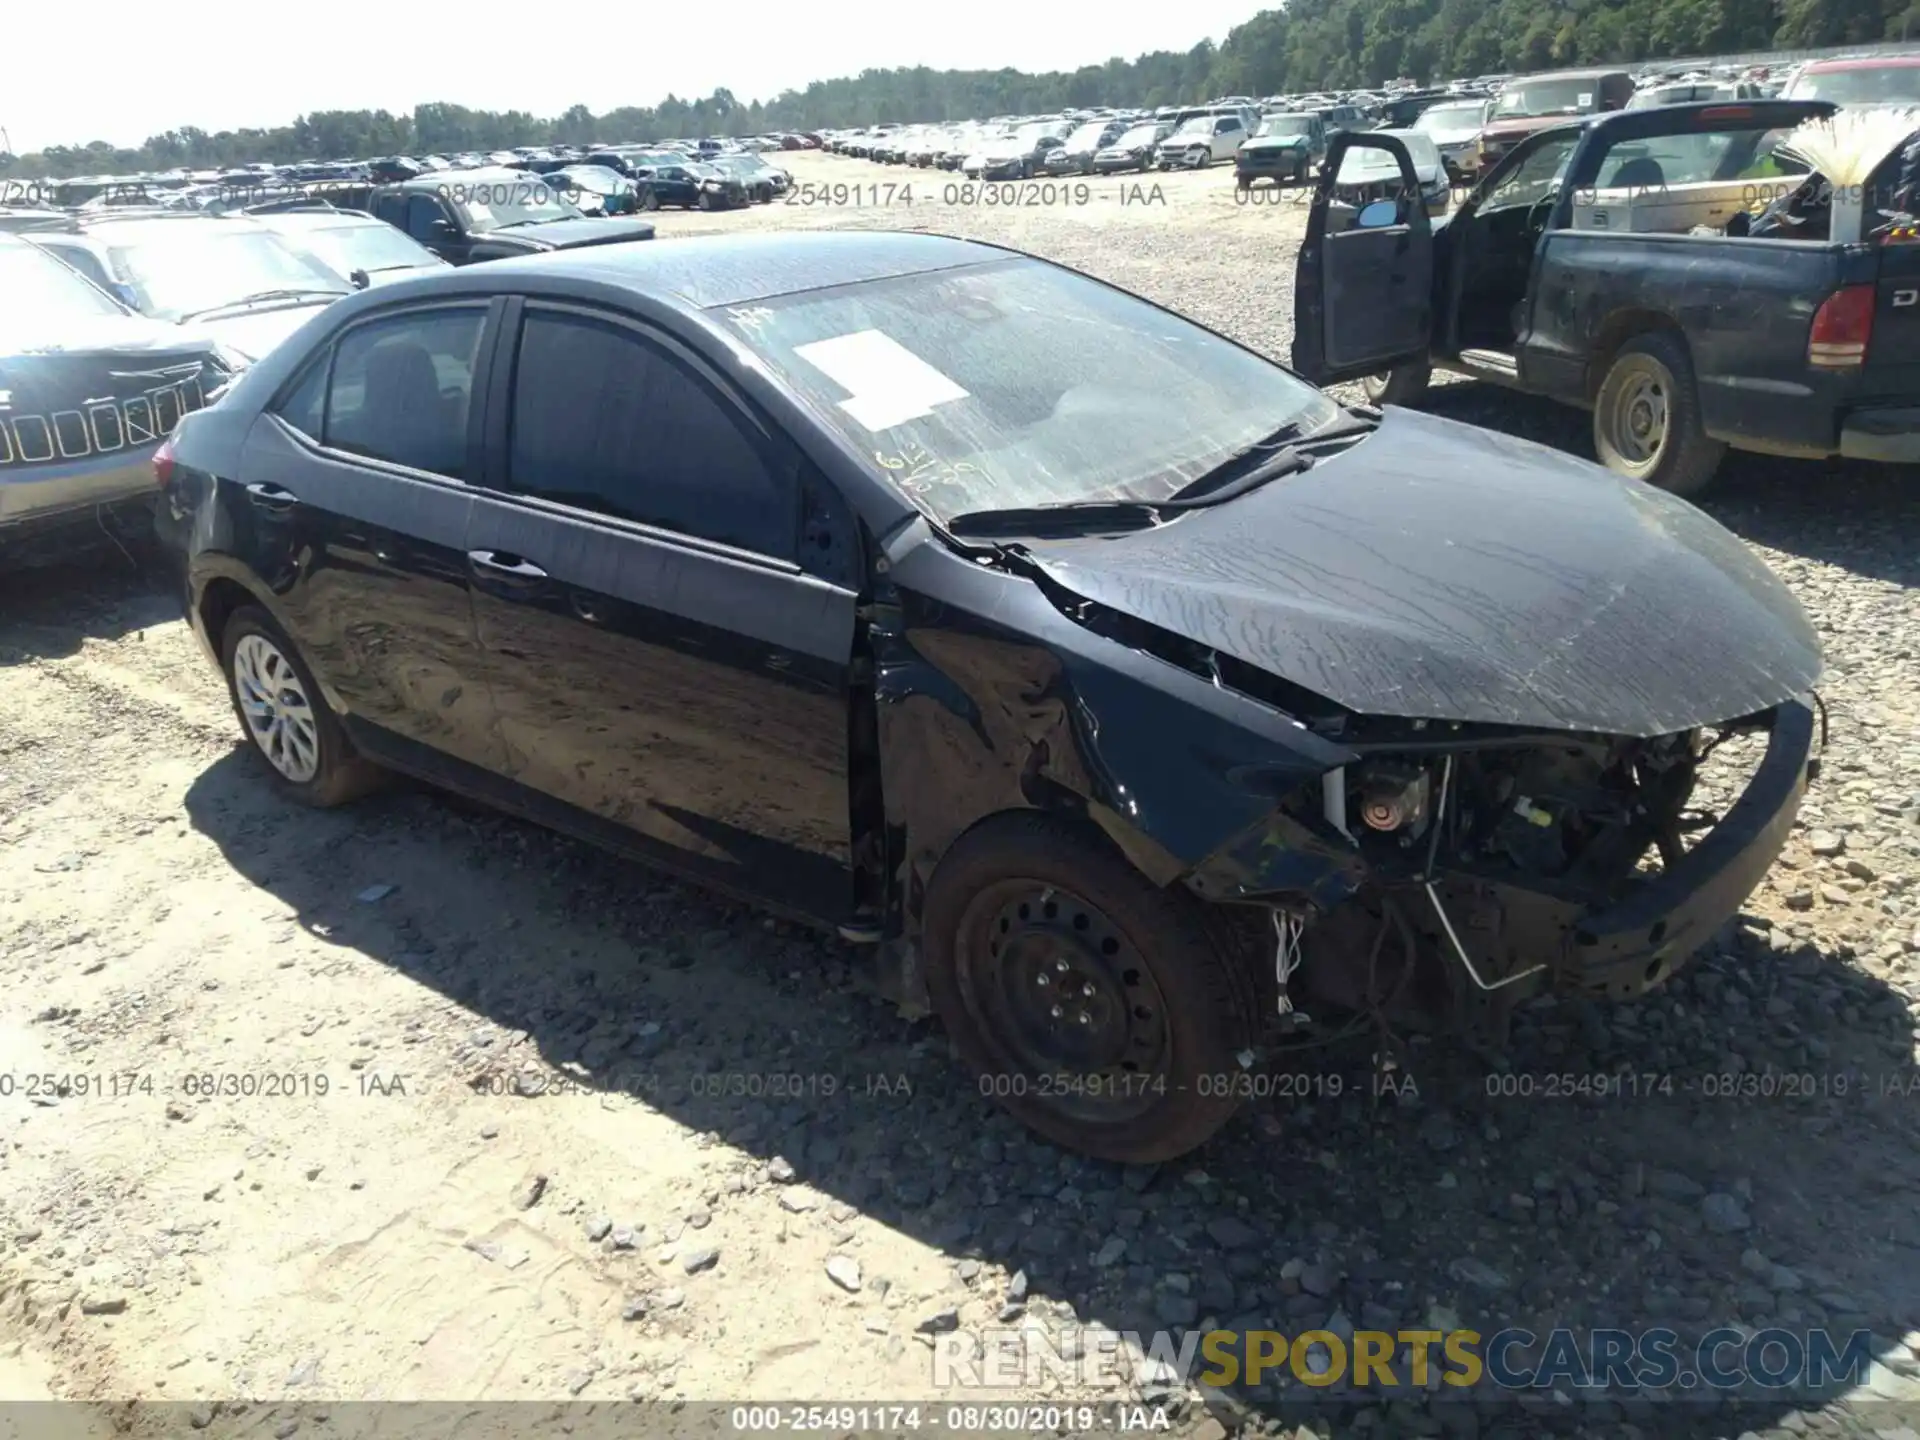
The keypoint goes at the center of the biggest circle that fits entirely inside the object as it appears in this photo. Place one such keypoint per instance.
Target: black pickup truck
(465, 216)
(1606, 263)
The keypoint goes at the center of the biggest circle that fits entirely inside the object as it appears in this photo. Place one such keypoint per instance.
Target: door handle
(500, 564)
(271, 497)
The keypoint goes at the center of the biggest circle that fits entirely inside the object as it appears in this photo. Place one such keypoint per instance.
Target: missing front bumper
(1631, 947)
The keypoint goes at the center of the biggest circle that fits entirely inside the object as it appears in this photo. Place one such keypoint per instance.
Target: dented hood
(1434, 570)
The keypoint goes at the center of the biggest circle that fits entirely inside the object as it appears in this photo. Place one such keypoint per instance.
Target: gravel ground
(588, 1133)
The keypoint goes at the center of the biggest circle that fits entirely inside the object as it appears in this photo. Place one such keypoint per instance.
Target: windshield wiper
(1073, 514)
(261, 298)
(1080, 514)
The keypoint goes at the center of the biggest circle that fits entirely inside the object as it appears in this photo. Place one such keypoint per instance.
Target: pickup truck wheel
(1088, 1003)
(284, 717)
(1646, 418)
(1402, 385)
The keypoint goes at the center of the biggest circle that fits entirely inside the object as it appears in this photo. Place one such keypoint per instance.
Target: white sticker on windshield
(886, 383)
(1586, 100)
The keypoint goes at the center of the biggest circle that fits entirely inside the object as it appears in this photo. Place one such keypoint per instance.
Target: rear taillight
(1841, 329)
(163, 463)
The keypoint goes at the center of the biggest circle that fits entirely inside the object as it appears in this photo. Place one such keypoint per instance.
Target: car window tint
(304, 406)
(604, 421)
(401, 389)
(422, 211)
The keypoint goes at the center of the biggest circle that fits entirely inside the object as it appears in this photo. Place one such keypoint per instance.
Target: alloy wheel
(278, 713)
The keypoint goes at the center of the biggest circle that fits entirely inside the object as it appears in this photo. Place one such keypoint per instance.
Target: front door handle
(271, 497)
(500, 564)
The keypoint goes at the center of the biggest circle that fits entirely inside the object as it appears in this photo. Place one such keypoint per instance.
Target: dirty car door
(353, 507)
(659, 661)
(1363, 294)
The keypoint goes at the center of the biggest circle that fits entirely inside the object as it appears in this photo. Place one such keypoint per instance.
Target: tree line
(1309, 45)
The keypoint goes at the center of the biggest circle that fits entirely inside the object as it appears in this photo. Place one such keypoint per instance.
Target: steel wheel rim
(276, 709)
(1639, 418)
(1068, 1006)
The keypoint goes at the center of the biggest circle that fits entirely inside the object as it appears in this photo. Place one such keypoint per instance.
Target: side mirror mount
(443, 230)
(1377, 215)
(359, 279)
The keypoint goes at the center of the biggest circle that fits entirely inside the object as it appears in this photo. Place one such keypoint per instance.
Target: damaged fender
(992, 700)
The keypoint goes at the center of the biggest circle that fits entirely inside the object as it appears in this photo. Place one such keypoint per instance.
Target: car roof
(434, 181)
(1863, 62)
(146, 227)
(315, 219)
(701, 272)
(1594, 73)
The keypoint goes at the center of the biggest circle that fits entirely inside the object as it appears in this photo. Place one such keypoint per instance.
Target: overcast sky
(108, 71)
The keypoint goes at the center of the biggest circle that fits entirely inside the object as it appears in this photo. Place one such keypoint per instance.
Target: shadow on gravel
(1679, 1193)
(1858, 516)
(48, 608)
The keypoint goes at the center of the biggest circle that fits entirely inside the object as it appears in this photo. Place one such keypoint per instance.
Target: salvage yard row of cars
(1602, 254)
(974, 610)
(1283, 138)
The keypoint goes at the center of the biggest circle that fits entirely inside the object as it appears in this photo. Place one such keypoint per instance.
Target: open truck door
(1363, 285)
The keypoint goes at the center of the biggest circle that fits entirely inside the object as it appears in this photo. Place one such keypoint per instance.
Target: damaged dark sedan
(1129, 697)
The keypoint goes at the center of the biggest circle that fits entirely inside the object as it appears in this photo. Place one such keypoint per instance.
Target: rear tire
(1048, 957)
(285, 717)
(1646, 417)
(1402, 385)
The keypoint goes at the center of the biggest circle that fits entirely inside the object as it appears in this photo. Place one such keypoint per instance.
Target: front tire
(1402, 385)
(1089, 1003)
(1646, 417)
(285, 718)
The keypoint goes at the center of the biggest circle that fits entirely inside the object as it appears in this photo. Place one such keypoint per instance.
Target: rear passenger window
(605, 421)
(402, 387)
(305, 405)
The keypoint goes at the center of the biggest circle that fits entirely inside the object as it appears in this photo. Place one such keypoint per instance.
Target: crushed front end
(1456, 868)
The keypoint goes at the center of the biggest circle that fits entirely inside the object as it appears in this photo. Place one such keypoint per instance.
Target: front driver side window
(606, 421)
(402, 388)
(422, 211)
